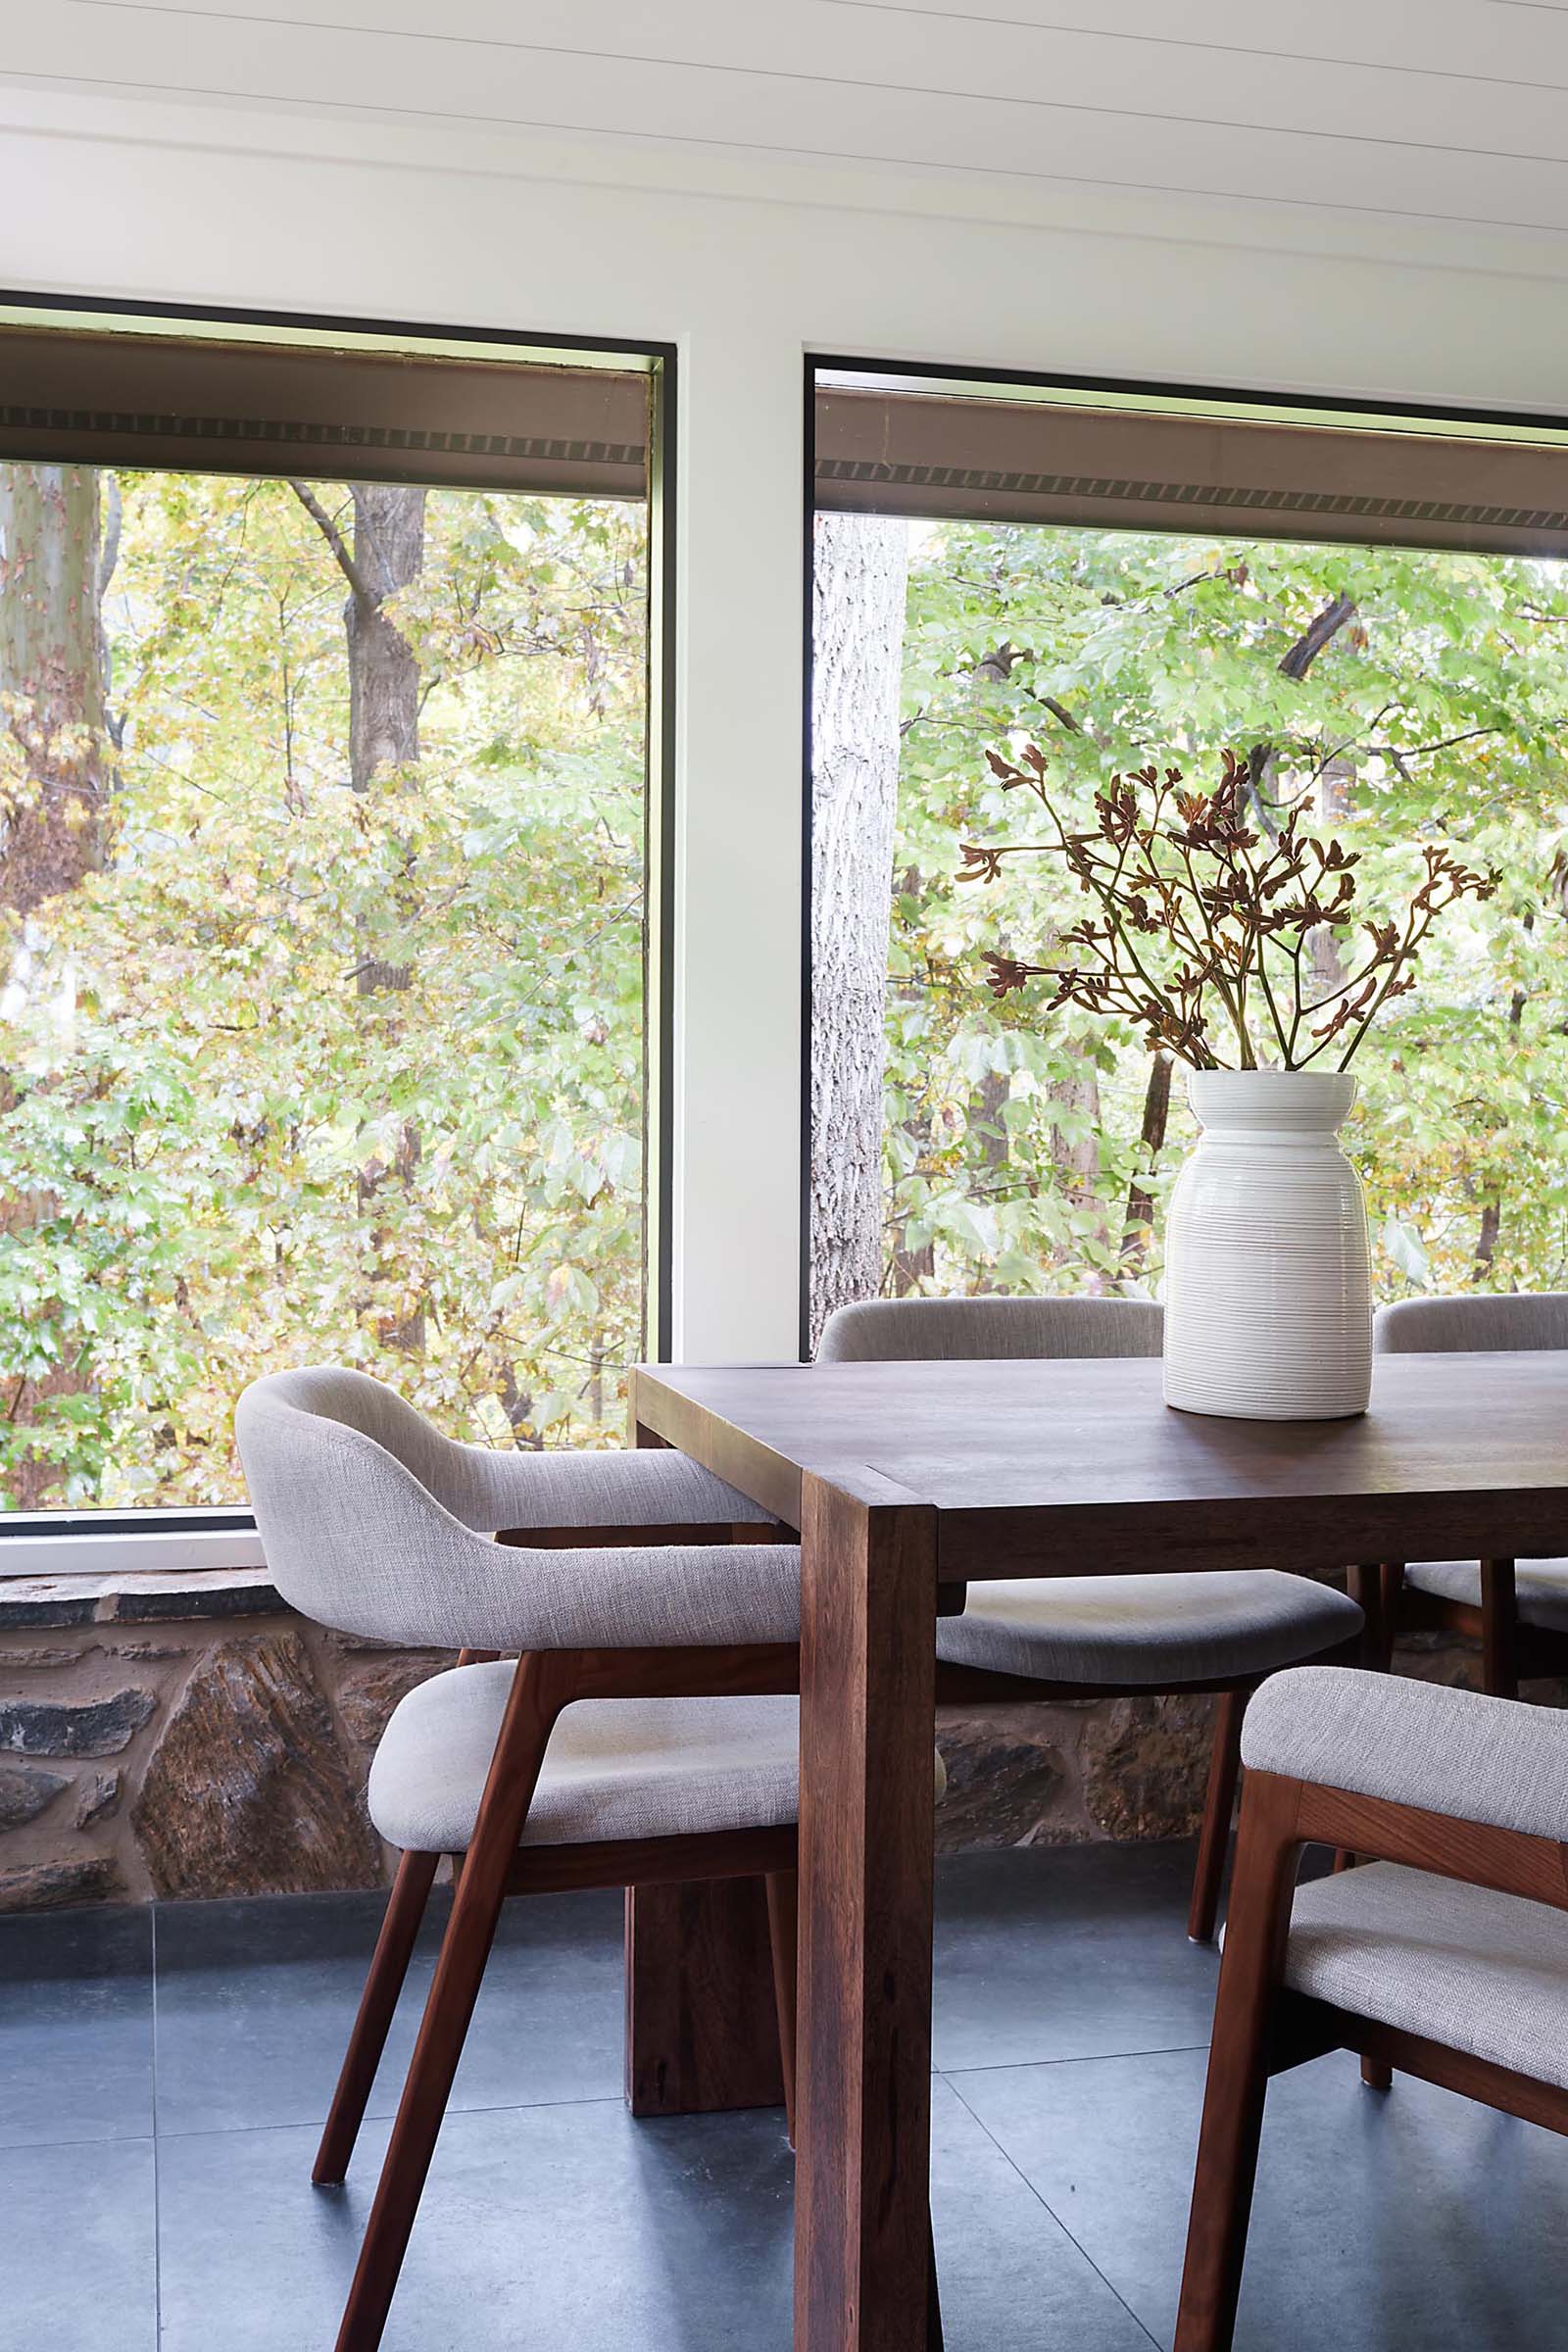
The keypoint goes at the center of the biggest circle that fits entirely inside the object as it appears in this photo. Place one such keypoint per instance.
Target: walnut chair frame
(1261, 2028)
(1512, 1650)
(497, 1865)
(975, 1684)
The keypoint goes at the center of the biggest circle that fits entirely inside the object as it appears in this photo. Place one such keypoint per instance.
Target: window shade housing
(925, 453)
(245, 407)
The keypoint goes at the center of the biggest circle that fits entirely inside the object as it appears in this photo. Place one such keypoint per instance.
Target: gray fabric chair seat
(1541, 1587)
(1162, 1629)
(1484, 1973)
(614, 1768)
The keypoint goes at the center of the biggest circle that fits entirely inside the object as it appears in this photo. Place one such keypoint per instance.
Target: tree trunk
(384, 735)
(53, 813)
(1076, 1159)
(861, 566)
(1140, 1201)
(384, 685)
(383, 672)
(1325, 958)
(52, 674)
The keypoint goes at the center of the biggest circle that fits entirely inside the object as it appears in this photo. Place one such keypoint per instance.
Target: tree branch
(1326, 627)
(334, 540)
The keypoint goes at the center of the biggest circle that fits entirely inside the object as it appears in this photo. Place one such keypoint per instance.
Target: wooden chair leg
(1377, 2074)
(400, 1924)
(1213, 1843)
(543, 1685)
(1267, 1855)
(783, 1931)
(1499, 1621)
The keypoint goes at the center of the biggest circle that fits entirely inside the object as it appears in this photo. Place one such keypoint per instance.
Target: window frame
(92, 1543)
(1327, 413)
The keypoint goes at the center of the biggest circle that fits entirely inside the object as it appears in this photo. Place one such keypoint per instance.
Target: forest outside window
(323, 929)
(962, 1144)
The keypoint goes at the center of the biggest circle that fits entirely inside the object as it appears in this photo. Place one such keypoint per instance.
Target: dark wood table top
(1080, 1467)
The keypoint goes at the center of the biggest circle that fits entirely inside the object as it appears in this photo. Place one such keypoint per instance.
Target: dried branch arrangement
(1202, 930)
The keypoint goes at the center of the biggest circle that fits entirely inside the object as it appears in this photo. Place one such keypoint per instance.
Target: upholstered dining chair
(1446, 1955)
(1517, 1610)
(645, 1732)
(1097, 1637)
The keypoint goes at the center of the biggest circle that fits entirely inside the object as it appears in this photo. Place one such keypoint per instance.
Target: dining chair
(1517, 1610)
(645, 1732)
(1444, 1955)
(1103, 1636)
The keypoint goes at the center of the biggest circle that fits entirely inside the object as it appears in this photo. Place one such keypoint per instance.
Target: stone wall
(192, 1737)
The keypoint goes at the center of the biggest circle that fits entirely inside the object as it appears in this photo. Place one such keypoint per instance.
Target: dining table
(907, 1481)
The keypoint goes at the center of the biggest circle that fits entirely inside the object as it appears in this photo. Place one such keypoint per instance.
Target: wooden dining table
(910, 1481)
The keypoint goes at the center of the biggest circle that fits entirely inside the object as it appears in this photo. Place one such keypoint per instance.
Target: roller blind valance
(996, 459)
(257, 408)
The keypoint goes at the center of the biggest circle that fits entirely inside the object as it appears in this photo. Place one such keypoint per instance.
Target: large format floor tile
(76, 2027)
(1056, 1953)
(255, 2002)
(78, 2248)
(1411, 2223)
(553, 2225)
(1060, 2177)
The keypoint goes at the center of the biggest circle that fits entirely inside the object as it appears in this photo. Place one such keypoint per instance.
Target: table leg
(1365, 1585)
(701, 2028)
(864, 2088)
(1500, 1620)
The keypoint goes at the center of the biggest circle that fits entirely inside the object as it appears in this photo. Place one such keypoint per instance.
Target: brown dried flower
(1231, 911)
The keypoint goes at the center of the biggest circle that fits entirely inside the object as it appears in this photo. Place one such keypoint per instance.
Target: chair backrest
(359, 1502)
(1482, 1321)
(982, 1330)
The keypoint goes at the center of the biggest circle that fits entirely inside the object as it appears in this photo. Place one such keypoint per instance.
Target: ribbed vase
(1268, 1292)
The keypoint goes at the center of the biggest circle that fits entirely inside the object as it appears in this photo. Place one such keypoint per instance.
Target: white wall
(747, 268)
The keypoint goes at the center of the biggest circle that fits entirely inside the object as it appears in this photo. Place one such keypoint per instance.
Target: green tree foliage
(219, 1155)
(1412, 697)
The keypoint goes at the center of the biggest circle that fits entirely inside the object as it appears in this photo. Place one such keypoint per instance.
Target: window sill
(158, 1551)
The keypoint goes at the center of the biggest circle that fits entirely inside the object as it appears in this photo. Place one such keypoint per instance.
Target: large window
(323, 927)
(1407, 693)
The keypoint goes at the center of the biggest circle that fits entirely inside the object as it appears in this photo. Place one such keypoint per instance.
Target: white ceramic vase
(1268, 1292)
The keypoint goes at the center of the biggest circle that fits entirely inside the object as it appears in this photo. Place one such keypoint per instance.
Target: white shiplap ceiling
(1453, 112)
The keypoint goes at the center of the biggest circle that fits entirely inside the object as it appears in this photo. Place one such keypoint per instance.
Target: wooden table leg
(864, 2087)
(1366, 1585)
(702, 2030)
(1500, 1619)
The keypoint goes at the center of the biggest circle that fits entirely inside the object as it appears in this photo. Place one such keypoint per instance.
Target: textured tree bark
(384, 691)
(52, 673)
(861, 566)
(1076, 1157)
(54, 787)
(383, 673)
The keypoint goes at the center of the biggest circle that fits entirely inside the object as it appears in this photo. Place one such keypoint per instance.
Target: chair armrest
(447, 1589)
(644, 1488)
(1454, 1753)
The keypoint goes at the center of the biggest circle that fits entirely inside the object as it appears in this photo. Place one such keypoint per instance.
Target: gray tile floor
(163, 2075)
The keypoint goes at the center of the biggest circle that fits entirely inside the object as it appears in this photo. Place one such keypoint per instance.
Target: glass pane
(1408, 696)
(322, 932)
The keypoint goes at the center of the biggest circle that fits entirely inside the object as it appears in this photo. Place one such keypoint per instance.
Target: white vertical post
(737, 1078)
